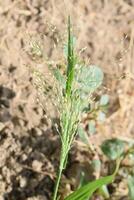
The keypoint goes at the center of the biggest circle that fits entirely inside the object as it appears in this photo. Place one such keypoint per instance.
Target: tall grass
(70, 110)
(80, 81)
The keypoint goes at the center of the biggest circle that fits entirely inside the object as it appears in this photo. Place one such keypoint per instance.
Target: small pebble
(23, 182)
(37, 165)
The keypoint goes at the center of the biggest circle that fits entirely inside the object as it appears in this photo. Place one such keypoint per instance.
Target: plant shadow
(38, 162)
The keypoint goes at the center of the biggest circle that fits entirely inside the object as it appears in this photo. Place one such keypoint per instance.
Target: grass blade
(86, 191)
(70, 60)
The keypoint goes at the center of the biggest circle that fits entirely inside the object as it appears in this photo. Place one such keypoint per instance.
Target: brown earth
(29, 145)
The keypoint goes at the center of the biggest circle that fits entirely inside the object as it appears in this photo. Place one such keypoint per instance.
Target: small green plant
(74, 90)
(80, 82)
(116, 149)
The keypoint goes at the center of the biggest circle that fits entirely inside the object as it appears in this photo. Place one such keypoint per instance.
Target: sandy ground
(29, 147)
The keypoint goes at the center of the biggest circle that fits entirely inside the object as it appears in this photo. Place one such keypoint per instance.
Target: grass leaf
(70, 59)
(86, 191)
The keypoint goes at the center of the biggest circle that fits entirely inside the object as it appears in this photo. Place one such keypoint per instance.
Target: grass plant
(73, 91)
(80, 82)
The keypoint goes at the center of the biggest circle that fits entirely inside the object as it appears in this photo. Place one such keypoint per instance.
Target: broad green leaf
(131, 187)
(86, 191)
(113, 148)
(89, 78)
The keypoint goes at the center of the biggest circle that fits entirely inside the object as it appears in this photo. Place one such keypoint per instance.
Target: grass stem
(57, 184)
(62, 162)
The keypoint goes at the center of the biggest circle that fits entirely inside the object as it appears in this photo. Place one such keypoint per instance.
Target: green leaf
(82, 135)
(91, 127)
(104, 100)
(70, 60)
(82, 179)
(104, 192)
(131, 187)
(59, 77)
(113, 148)
(89, 78)
(86, 191)
(65, 48)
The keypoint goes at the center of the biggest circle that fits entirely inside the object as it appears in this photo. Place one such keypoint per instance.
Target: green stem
(57, 184)
(67, 122)
(62, 161)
